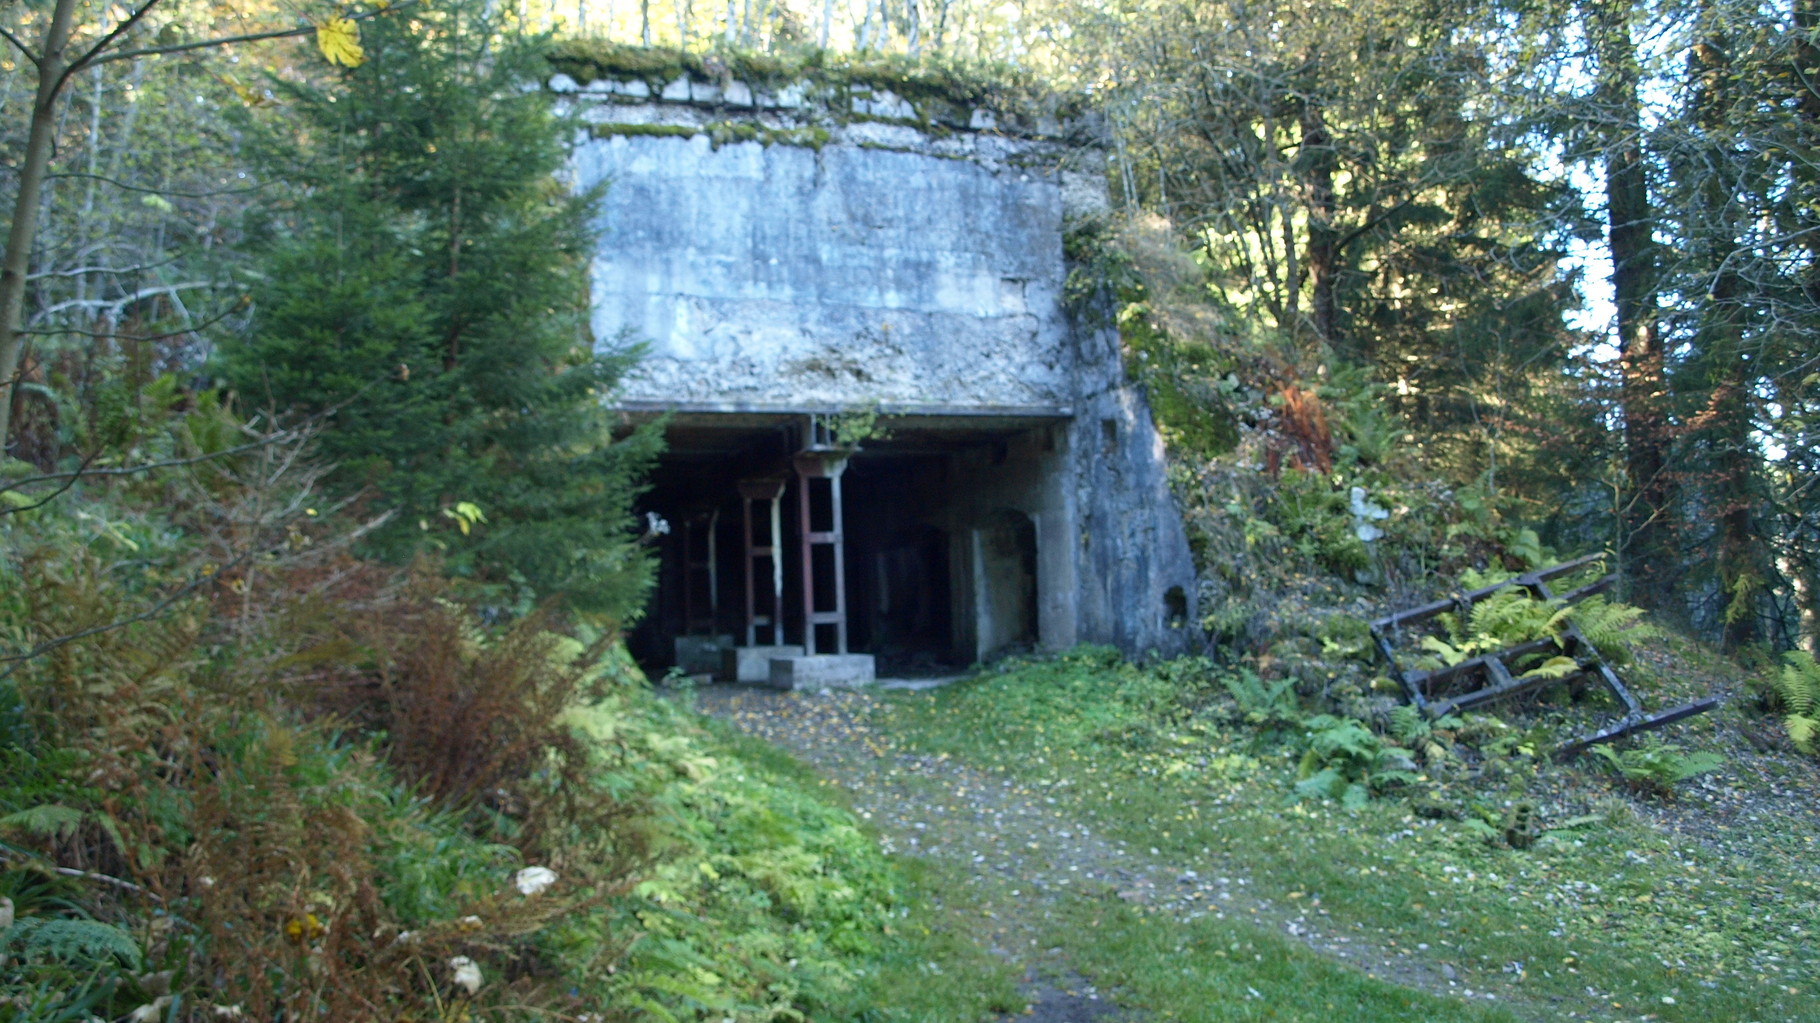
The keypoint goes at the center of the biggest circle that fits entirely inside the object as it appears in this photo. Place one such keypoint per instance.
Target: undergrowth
(245, 775)
(1454, 834)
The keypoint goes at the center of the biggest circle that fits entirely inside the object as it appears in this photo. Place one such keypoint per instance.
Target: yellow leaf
(339, 41)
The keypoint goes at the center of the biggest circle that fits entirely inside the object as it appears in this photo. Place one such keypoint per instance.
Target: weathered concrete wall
(779, 274)
(777, 256)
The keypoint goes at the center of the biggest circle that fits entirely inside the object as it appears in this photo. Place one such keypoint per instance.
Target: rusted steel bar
(1631, 725)
(1504, 685)
(1427, 680)
(1410, 689)
(1527, 580)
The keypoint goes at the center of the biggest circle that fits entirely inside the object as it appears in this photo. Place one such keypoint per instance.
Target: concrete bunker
(794, 254)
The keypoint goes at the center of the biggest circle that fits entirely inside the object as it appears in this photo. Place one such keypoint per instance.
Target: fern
(1796, 692)
(59, 823)
(1657, 766)
(77, 942)
(1802, 731)
(1511, 616)
(1797, 688)
(1263, 704)
(51, 821)
(1610, 627)
(1554, 667)
(1449, 654)
(1408, 726)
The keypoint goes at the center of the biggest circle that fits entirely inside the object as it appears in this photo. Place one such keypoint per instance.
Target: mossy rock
(943, 91)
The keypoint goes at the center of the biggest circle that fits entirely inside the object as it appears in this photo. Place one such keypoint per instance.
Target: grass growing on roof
(942, 79)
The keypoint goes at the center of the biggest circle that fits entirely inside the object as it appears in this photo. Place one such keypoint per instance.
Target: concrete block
(823, 671)
(753, 663)
(738, 94)
(677, 91)
(634, 89)
(698, 654)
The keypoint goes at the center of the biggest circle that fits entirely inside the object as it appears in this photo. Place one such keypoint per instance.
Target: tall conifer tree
(428, 284)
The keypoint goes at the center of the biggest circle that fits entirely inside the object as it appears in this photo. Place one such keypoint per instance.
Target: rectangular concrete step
(823, 671)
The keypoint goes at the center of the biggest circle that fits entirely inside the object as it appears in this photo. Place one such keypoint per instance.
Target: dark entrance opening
(1005, 583)
(936, 575)
(900, 590)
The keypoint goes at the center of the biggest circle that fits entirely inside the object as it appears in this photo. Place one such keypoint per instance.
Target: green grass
(1218, 971)
(1656, 925)
(935, 972)
(927, 968)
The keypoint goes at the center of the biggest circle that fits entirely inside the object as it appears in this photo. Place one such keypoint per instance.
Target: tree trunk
(1646, 552)
(52, 62)
(1727, 425)
(1318, 160)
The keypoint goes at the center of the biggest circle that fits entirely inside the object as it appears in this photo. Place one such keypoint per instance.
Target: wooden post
(771, 493)
(822, 464)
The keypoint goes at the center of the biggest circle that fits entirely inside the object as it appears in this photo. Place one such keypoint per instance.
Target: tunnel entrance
(921, 549)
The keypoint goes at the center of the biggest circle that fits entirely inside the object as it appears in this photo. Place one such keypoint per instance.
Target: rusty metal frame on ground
(1420, 685)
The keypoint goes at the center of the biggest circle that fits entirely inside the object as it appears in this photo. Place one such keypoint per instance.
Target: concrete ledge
(753, 663)
(699, 655)
(823, 671)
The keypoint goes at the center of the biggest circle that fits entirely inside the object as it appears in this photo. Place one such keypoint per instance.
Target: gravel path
(1023, 850)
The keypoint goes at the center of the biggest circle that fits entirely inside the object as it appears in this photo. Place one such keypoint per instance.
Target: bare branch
(126, 24)
(116, 335)
(79, 271)
(24, 51)
(251, 37)
(116, 304)
(134, 470)
(19, 660)
(53, 495)
(203, 44)
(157, 191)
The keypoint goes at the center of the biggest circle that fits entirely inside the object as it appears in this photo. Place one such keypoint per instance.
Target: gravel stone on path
(1024, 851)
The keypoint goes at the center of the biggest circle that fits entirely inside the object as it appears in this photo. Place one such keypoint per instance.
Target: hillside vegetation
(316, 541)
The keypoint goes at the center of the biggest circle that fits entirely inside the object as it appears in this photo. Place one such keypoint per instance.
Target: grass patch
(927, 968)
(1219, 971)
(1612, 916)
